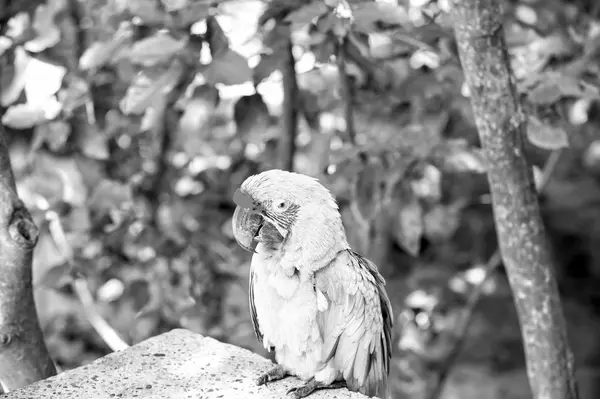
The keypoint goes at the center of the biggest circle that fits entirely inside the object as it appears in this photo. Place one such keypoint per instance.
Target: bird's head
(275, 206)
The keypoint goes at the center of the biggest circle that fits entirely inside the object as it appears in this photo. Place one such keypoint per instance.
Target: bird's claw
(311, 386)
(300, 392)
(276, 373)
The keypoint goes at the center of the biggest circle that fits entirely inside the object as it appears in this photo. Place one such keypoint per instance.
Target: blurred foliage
(133, 122)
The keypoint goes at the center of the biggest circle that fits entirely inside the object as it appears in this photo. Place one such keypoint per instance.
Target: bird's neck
(305, 253)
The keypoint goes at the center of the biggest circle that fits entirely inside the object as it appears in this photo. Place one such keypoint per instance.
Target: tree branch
(287, 141)
(80, 286)
(347, 89)
(522, 240)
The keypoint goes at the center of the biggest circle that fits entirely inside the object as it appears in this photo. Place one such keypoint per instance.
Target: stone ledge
(175, 365)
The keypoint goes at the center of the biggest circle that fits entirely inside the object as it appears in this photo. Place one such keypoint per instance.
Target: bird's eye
(280, 205)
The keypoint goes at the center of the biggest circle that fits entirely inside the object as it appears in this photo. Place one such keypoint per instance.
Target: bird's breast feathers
(286, 312)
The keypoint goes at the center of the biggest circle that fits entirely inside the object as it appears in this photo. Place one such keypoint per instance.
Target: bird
(322, 307)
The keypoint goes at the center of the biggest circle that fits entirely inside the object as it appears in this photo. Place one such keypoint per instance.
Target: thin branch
(549, 168)
(346, 89)
(287, 141)
(466, 314)
(104, 330)
(80, 286)
(465, 319)
(412, 41)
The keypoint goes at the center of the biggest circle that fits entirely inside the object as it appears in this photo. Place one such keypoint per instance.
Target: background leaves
(135, 122)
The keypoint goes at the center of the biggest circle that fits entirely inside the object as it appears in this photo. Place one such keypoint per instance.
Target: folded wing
(356, 324)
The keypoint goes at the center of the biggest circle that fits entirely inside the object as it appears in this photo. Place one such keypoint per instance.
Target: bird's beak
(246, 226)
(251, 226)
(247, 221)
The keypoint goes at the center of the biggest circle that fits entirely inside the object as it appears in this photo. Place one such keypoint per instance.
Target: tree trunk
(24, 358)
(522, 239)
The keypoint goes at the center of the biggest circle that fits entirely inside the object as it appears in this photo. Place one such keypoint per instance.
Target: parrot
(321, 307)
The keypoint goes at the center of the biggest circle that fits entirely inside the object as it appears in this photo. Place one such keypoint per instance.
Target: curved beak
(246, 226)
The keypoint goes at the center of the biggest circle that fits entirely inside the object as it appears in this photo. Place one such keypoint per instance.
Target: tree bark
(24, 358)
(522, 240)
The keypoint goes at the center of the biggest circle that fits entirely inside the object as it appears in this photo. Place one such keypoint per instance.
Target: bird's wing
(253, 307)
(356, 323)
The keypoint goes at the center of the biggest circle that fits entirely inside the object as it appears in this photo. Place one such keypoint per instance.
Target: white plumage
(321, 306)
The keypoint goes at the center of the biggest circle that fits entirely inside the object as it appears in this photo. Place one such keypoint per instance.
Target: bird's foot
(276, 373)
(313, 385)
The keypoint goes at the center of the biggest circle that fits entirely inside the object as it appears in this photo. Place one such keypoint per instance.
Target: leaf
(176, 5)
(429, 184)
(546, 136)
(153, 298)
(382, 47)
(268, 64)
(326, 23)
(53, 179)
(111, 194)
(343, 18)
(558, 44)
(277, 41)
(251, 116)
(23, 116)
(96, 55)
(154, 114)
(229, 68)
(93, 142)
(276, 9)
(557, 86)
(277, 38)
(55, 277)
(455, 155)
(579, 111)
(18, 25)
(441, 222)
(102, 53)
(146, 10)
(306, 14)
(92, 171)
(195, 125)
(408, 224)
(546, 93)
(12, 91)
(74, 95)
(77, 222)
(324, 49)
(368, 15)
(110, 199)
(367, 195)
(194, 11)
(55, 134)
(48, 34)
(155, 49)
(147, 85)
(309, 106)
(43, 81)
(54, 271)
(217, 40)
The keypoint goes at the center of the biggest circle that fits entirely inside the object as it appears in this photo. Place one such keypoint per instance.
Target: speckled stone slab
(175, 365)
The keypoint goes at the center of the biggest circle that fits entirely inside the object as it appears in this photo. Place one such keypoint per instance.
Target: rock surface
(175, 365)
